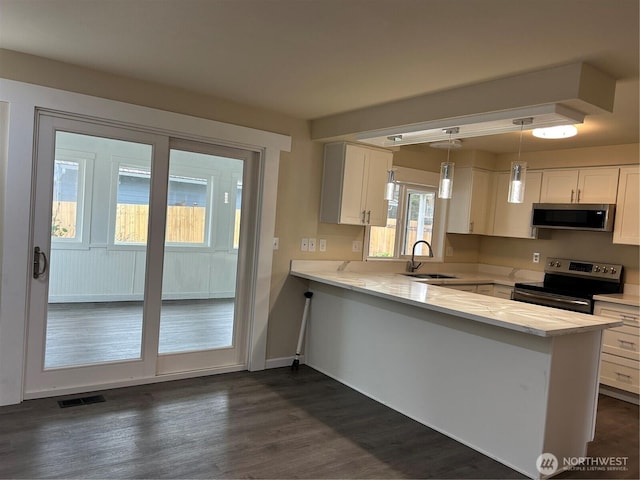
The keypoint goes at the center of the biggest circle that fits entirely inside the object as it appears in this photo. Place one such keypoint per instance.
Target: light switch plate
(323, 245)
(356, 246)
(312, 244)
(276, 243)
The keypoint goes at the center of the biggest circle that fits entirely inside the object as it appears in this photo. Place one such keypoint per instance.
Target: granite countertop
(620, 298)
(431, 295)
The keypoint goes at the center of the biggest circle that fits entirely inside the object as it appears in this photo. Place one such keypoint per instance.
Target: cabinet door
(470, 200)
(559, 186)
(514, 219)
(480, 201)
(353, 186)
(485, 289)
(627, 222)
(597, 185)
(463, 288)
(378, 165)
(502, 291)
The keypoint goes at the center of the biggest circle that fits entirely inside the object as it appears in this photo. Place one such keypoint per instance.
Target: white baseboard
(282, 361)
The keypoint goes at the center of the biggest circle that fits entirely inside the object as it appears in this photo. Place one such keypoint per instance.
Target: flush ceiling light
(490, 123)
(560, 131)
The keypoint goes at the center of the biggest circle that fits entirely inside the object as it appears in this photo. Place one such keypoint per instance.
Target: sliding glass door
(136, 241)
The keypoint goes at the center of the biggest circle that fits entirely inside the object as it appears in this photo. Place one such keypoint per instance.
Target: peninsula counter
(509, 379)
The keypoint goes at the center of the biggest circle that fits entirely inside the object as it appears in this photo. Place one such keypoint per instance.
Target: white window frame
(413, 179)
(84, 195)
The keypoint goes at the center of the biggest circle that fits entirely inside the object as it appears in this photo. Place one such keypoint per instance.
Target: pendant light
(445, 186)
(518, 168)
(391, 186)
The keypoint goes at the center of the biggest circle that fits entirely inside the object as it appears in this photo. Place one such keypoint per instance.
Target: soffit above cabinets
(558, 95)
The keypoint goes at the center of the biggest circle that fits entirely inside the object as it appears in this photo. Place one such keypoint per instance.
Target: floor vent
(75, 402)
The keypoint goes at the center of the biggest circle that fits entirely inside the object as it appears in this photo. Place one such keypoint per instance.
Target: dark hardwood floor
(271, 424)
(86, 333)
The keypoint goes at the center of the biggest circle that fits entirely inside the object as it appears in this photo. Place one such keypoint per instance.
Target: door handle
(37, 254)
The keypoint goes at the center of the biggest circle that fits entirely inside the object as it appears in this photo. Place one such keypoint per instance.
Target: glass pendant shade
(446, 180)
(390, 187)
(517, 182)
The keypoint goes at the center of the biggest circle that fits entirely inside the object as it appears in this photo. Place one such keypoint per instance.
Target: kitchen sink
(428, 275)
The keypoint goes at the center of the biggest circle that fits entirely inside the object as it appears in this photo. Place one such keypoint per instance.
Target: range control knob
(557, 264)
(596, 268)
(551, 263)
(605, 269)
(613, 271)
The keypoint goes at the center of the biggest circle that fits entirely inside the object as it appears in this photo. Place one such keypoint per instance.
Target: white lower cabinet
(503, 291)
(485, 289)
(490, 289)
(620, 366)
(463, 288)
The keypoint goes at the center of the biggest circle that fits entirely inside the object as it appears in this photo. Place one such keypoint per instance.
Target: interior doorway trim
(23, 100)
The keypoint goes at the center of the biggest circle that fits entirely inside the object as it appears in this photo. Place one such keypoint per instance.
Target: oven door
(548, 299)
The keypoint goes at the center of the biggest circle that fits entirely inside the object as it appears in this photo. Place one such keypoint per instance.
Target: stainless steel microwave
(574, 216)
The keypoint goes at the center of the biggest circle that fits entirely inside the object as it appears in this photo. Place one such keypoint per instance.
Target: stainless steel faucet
(412, 266)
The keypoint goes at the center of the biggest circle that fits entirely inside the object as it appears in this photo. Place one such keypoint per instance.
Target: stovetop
(575, 278)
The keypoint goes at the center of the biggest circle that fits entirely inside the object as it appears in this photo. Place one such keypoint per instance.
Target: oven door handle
(554, 298)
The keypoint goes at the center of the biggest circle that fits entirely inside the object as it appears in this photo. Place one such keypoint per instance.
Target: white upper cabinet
(627, 220)
(585, 185)
(514, 219)
(471, 199)
(353, 182)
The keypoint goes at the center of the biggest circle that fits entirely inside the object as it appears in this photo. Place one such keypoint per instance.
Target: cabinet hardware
(626, 342)
(578, 200)
(364, 212)
(572, 192)
(369, 217)
(633, 318)
(623, 375)
(470, 226)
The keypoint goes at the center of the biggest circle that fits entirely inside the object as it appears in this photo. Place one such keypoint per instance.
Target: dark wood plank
(85, 333)
(271, 424)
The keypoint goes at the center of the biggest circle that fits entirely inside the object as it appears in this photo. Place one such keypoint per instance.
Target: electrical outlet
(356, 246)
(304, 245)
(312, 244)
(536, 257)
(323, 245)
(276, 243)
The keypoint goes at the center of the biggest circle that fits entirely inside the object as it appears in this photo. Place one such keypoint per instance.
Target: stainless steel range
(571, 284)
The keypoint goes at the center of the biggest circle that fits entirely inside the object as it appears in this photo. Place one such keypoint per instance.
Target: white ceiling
(313, 58)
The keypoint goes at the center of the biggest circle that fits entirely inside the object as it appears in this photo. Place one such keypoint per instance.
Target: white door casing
(23, 100)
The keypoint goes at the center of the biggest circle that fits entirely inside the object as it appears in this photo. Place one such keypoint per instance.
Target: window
(66, 186)
(187, 210)
(132, 204)
(419, 220)
(70, 201)
(411, 216)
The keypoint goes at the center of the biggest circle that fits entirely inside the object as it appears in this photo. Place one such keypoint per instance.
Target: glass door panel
(96, 275)
(201, 252)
